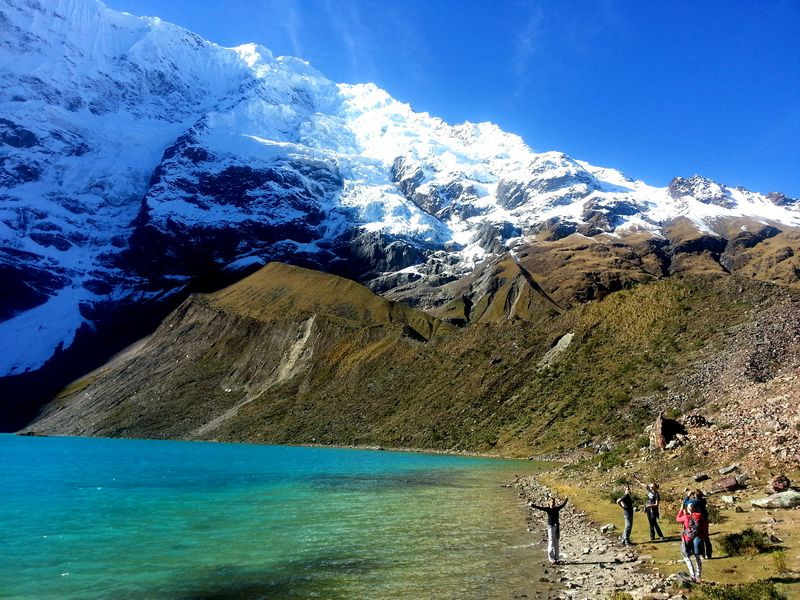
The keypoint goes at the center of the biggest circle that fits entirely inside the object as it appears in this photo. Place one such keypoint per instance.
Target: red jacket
(684, 519)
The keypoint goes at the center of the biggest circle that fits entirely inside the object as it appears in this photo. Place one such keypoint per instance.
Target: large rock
(664, 431)
(726, 484)
(779, 483)
(787, 499)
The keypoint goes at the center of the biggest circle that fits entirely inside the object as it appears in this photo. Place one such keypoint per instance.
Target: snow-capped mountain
(137, 158)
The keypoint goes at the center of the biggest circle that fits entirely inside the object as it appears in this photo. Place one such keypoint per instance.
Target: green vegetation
(779, 561)
(748, 542)
(759, 590)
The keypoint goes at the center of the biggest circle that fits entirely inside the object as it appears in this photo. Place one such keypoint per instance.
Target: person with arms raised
(553, 527)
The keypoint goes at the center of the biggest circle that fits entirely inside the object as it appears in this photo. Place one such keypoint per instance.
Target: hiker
(626, 502)
(697, 503)
(553, 527)
(651, 508)
(691, 542)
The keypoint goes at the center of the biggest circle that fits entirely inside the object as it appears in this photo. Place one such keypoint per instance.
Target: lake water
(98, 518)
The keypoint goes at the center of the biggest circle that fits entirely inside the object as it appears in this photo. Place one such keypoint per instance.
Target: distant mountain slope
(279, 358)
(138, 161)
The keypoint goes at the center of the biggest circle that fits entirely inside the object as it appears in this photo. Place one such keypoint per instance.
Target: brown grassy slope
(500, 291)
(279, 290)
(293, 356)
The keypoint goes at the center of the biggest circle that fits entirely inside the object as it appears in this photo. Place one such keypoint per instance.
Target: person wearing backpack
(553, 528)
(698, 504)
(691, 542)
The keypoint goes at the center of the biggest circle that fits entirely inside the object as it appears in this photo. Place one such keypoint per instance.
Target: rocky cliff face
(139, 162)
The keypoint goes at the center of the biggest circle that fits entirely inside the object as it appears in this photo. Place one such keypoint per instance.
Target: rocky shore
(594, 565)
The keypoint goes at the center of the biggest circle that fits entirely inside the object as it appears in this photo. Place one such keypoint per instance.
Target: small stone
(728, 469)
(701, 477)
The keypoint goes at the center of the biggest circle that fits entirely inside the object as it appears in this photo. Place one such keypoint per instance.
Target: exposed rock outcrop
(787, 499)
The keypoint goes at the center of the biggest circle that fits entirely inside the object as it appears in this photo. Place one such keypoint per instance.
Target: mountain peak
(139, 159)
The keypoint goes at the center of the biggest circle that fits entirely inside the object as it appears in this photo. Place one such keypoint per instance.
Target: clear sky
(656, 90)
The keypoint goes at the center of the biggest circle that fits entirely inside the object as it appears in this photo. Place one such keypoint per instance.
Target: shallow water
(97, 518)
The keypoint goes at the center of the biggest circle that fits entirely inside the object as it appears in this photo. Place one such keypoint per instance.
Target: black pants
(655, 530)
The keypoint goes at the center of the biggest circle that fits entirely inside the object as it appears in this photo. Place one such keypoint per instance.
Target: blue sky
(656, 90)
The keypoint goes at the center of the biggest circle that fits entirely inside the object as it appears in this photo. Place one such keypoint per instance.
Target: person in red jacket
(691, 542)
(698, 504)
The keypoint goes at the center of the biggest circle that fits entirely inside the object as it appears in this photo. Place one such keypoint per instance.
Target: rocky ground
(760, 424)
(594, 563)
(749, 392)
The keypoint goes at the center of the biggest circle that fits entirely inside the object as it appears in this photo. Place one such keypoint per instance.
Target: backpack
(692, 528)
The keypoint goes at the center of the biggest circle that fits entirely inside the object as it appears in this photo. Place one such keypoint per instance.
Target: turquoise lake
(99, 518)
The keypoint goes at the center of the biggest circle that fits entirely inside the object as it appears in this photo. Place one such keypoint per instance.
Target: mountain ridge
(336, 372)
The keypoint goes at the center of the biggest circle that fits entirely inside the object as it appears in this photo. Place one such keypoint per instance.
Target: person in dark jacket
(626, 502)
(651, 508)
(553, 527)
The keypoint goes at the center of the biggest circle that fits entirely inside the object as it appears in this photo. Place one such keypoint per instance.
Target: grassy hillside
(295, 356)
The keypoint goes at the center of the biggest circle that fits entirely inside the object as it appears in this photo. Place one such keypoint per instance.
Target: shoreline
(373, 447)
(594, 564)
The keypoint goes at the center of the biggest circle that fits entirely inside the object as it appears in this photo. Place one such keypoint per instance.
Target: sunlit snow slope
(137, 158)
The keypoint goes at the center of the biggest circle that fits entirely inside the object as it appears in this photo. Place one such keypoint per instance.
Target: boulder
(726, 484)
(607, 528)
(696, 420)
(728, 499)
(779, 483)
(787, 499)
(728, 469)
(775, 539)
(701, 477)
(664, 431)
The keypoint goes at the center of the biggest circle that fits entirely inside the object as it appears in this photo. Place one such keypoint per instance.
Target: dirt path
(594, 563)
